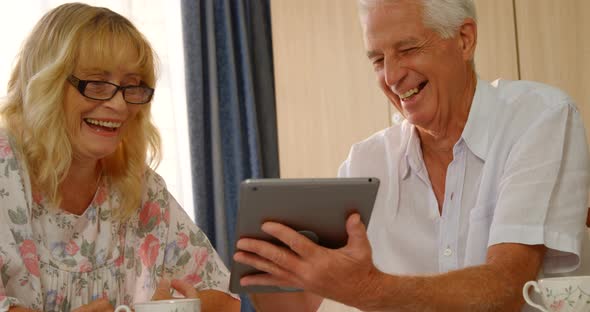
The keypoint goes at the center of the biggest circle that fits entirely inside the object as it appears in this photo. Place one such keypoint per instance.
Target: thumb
(357, 232)
(162, 290)
(186, 289)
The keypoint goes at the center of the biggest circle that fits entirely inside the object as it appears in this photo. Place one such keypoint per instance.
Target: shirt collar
(413, 154)
(476, 131)
(475, 134)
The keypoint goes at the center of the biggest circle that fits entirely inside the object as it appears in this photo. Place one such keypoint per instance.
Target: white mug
(171, 305)
(563, 294)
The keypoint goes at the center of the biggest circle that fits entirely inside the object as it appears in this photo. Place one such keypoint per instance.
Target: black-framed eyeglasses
(104, 90)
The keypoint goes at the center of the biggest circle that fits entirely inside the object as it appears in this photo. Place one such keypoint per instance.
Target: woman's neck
(79, 186)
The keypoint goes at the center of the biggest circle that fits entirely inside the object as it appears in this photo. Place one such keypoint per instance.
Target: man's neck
(442, 137)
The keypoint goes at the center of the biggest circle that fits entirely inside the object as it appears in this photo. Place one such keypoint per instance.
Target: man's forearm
(286, 302)
(213, 300)
(474, 289)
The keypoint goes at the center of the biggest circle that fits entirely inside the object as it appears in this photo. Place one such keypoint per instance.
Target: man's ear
(468, 38)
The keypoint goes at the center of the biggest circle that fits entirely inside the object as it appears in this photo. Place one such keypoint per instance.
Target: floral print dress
(52, 260)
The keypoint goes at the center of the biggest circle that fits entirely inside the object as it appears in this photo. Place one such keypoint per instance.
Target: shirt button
(448, 252)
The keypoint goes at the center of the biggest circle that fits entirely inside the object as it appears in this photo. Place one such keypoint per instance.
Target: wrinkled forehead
(115, 52)
(391, 22)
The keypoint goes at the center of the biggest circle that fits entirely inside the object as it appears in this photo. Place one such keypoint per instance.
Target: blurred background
(261, 88)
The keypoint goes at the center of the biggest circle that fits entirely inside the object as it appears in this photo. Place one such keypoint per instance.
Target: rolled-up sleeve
(543, 191)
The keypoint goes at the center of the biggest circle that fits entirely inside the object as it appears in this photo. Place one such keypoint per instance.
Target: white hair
(442, 16)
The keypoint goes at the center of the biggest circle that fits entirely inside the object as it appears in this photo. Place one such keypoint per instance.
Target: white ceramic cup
(172, 305)
(563, 294)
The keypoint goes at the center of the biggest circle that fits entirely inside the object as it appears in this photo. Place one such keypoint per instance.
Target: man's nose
(394, 71)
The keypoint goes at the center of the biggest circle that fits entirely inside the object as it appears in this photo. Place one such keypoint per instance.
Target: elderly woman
(85, 222)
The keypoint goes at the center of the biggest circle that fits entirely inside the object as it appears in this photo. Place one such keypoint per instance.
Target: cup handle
(123, 308)
(525, 294)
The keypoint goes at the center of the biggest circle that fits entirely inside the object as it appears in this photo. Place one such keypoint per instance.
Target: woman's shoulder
(155, 190)
(155, 203)
(10, 166)
(7, 145)
(153, 180)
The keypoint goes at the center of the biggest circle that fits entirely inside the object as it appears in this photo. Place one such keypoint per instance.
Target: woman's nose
(117, 103)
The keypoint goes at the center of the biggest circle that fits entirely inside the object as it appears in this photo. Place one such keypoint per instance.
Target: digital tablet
(317, 208)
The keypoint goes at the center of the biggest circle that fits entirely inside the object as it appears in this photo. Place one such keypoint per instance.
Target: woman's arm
(211, 300)
(20, 309)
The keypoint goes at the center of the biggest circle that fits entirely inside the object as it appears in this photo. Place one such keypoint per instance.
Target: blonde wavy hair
(34, 113)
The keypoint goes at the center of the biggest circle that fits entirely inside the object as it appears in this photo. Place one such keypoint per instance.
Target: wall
(554, 46)
(326, 93)
(327, 97)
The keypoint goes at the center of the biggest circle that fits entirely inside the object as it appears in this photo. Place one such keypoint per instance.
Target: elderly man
(483, 186)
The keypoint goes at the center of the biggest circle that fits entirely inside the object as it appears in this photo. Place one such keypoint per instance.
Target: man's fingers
(267, 279)
(296, 242)
(261, 264)
(281, 256)
(357, 232)
(186, 289)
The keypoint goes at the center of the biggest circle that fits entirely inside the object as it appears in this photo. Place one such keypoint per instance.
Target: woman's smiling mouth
(102, 125)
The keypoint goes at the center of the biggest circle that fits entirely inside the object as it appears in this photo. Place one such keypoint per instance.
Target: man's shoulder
(392, 135)
(379, 151)
(521, 108)
(532, 95)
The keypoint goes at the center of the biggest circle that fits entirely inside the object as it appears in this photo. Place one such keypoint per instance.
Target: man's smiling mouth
(410, 93)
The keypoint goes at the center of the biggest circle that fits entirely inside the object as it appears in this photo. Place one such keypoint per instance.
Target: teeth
(409, 93)
(108, 124)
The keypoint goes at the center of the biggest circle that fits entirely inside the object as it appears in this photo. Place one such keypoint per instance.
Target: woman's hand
(100, 305)
(211, 300)
(165, 287)
(20, 309)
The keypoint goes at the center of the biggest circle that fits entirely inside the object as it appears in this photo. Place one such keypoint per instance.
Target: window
(160, 22)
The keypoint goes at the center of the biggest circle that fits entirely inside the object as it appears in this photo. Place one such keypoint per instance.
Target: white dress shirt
(520, 174)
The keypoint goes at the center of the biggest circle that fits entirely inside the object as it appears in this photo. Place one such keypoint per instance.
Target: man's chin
(416, 119)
